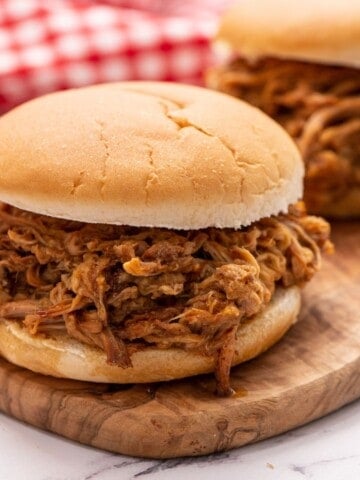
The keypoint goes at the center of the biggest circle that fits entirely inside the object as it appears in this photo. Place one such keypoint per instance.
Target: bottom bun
(61, 356)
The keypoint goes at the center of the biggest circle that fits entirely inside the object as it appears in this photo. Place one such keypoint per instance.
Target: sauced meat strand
(122, 288)
(319, 106)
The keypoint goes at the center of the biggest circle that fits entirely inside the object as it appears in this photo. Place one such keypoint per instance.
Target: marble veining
(326, 449)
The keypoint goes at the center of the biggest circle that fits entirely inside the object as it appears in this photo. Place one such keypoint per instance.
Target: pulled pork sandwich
(150, 232)
(300, 63)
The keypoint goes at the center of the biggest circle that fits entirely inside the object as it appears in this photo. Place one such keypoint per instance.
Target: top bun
(322, 31)
(147, 154)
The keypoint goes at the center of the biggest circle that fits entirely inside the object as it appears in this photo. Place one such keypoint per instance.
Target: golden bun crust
(61, 356)
(321, 31)
(147, 154)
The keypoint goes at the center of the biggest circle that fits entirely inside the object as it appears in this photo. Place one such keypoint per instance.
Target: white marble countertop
(327, 449)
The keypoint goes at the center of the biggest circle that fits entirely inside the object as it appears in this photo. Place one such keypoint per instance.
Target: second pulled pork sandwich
(149, 232)
(300, 63)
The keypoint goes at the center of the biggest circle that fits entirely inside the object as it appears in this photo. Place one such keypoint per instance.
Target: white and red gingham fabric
(47, 45)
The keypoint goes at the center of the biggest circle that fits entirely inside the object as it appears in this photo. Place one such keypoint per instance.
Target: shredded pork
(122, 288)
(319, 106)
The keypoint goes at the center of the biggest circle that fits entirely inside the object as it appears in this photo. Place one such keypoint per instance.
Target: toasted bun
(147, 154)
(60, 356)
(322, 31)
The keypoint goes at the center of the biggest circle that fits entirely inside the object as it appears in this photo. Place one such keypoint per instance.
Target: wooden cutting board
(314, 370)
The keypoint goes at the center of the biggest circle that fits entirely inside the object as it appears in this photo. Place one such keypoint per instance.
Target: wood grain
(314, 370)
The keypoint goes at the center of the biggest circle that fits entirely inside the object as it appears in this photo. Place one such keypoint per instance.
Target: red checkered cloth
(47, 45)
